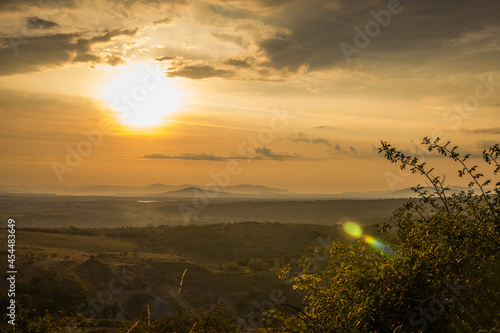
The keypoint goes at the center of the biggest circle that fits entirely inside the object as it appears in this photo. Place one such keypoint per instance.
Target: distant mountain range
(242, 191)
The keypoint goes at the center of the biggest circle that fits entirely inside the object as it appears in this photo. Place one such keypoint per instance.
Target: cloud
(164, 58)
(85, 48)
(196, 71)
(108, 35)
(321, 141)
(273, 3)
(186, 156)
(309, 33)
(163, 21)
(40, 7)
(352, 151)
(34, 22)
(26, 5)
(299, 137)
(284, 52)
(229, 38)
(261, 154)
(304, 36)
(268, 153)
(302, 137)
(325, 127)
(243, 63)
(485, 144)
(492, 130)
(53, 50)
(300, 140)
(298, 36)
(35, 53)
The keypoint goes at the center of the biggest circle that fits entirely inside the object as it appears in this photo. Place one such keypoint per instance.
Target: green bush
(231, 267)
(435, 269)
(256, 264)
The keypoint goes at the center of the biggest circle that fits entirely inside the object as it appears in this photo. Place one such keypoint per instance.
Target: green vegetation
(233, 264)
(223, 243)
(433, 267)
(441, 273)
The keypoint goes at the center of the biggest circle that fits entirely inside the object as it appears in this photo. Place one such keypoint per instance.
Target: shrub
(256, 264)
(231, 267)
(437, 271)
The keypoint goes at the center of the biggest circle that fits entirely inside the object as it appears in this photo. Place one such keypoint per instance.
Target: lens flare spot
(379, 245)
(353, 229)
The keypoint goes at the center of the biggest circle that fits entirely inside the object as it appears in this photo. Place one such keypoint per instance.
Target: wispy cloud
(485, 144)
(34, 22)
(186, 156)
(491, 130)
(349, 151)
(321, 141)
(259, 153)
(325, 127)
(164, 58)
(302, 137)
(163, 21)
(268, 153)
(245, 63)
(299, 137)
(195, 70)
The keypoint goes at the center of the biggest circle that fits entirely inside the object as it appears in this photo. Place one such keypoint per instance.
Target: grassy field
(124, 269)
(100, 212)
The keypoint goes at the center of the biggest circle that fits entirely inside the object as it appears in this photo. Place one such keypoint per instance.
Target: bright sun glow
(141, 95)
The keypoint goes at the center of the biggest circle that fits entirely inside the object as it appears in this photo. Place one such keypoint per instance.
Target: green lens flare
(353, 229)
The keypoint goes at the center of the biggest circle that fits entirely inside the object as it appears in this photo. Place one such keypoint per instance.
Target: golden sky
(298, 93)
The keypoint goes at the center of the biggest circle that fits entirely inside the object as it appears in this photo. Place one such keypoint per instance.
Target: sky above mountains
(291, 94)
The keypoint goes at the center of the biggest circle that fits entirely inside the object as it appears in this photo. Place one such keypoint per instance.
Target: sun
(141, 96)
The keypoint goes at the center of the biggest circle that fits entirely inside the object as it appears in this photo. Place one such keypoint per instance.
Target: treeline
(71, 230)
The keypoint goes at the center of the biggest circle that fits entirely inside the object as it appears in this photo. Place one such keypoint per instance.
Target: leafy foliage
(219, 318)
(33, 320)
(443, 276)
